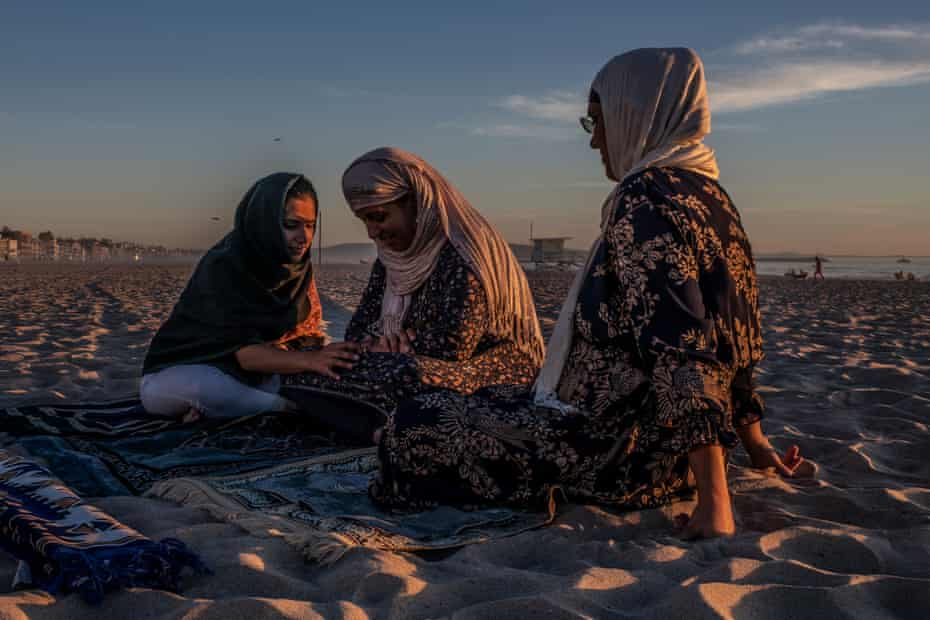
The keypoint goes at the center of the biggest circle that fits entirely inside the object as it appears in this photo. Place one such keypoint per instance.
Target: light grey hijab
(655, 113)
(388, 174)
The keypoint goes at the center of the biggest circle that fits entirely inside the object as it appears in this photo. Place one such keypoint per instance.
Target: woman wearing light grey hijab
(447, 304)
(649, 373)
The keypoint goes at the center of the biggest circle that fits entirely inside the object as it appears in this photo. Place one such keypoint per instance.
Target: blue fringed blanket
(320, 505)
(71, 546)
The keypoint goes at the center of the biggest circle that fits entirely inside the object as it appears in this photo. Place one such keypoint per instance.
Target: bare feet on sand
(707, 521)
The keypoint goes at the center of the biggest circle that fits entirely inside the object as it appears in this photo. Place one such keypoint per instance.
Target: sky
(145, 123)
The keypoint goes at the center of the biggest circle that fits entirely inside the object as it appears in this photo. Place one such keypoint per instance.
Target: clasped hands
(401, 342)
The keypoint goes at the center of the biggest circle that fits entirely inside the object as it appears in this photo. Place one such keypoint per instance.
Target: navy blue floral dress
(453, 348)
(666, 337)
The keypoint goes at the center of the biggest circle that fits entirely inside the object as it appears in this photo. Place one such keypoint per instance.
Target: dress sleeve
(365, 319)
(501, 365)
(458, 320)
(659, 305)
(748, 406)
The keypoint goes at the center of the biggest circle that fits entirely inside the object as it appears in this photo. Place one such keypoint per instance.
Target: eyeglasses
(588, 123)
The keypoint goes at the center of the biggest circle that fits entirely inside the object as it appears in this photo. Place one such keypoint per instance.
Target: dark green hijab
(244, 291)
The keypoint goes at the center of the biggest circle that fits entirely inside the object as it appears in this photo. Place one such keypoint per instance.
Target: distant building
(71, 250)
(25, 248)
(549, 249)
(9, 249)
(30, 248)
(98, 251)
(49, 249)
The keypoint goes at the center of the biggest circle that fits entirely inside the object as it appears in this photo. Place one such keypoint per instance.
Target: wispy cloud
(815, 60)
(781, 44)
(769, 69)
(554, 106)
(834, 36)
(551, 116)
(799, 81)
(913, 32)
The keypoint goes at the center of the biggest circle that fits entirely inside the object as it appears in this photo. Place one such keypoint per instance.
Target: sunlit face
(392, 225)
(299, 226)
(599, 138)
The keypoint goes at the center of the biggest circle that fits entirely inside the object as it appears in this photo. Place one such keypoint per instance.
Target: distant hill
(787, 257)
(352, 253)
(355, 253)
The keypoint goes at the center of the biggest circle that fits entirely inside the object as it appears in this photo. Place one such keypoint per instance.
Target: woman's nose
(373, 230)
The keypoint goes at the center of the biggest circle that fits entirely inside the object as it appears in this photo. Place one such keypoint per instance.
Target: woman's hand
(393, 343)
(331, 359)
(763, 456)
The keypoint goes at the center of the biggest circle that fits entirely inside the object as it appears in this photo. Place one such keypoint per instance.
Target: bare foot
(706, 522)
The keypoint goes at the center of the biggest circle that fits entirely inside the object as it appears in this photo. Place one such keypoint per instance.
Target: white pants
(175, 390)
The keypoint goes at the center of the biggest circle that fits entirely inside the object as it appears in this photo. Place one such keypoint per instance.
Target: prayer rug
(115, 448)
(321, 506)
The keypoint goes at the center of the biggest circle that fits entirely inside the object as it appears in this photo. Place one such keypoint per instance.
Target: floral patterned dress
(666, 337)
(453, 348)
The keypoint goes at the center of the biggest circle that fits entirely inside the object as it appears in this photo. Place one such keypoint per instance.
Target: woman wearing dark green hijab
(221, 350)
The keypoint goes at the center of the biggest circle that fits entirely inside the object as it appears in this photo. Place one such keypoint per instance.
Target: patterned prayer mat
(66, 545)
(119, 418)
(115, 448)
(321, 506)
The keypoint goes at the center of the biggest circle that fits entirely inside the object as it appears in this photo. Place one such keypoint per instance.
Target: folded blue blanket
(68, 545)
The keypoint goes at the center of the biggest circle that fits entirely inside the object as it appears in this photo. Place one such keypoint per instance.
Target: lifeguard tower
(549, 249)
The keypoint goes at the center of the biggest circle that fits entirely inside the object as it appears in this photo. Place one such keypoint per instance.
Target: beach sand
(847, 377)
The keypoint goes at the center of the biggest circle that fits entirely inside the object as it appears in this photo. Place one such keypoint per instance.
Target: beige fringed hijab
(655, 113)
(388, 174)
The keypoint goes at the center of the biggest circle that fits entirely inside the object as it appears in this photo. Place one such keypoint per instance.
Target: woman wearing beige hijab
(649, 373)
(447, 304)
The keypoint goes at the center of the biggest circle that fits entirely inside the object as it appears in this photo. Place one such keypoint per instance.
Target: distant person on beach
(447, 304)
(818, 267)
(650, 371)
(250, 299)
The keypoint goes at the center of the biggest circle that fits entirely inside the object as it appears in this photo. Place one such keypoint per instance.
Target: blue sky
(144, 123)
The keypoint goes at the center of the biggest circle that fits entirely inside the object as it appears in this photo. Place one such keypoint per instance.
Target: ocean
(848, 267)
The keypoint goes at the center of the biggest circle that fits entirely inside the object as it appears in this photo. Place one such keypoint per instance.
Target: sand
(846, 378)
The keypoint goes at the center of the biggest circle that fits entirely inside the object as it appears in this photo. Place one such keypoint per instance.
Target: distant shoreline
(804, 257)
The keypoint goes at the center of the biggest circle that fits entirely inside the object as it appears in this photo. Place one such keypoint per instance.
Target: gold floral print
(666, 336)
